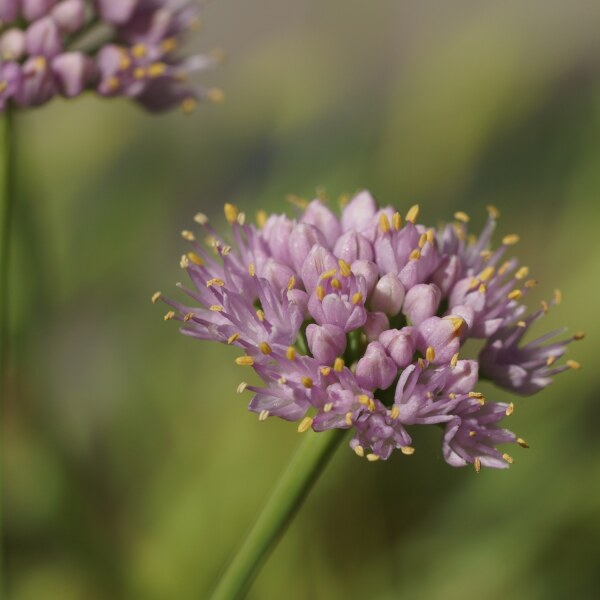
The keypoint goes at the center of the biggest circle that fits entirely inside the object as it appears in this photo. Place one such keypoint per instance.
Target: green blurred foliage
(131, 468)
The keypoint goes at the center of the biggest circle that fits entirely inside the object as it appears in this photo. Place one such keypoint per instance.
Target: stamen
(430, 354)
(522, 324)
(508, 458)
(395, 412)
(335, 284)
(290, 353)
(431, 235)
(217, 282)
(345, 270)
(328, 274)
(261, 315)
(557, 296)
(338, 365)
(328, 407)
(384, 223)
(486, 254)
(510, 409)
(201, 218)
(320, 292)
(241, 388)
(413, 213)
(261, 218)
(372, 457)
(189, 105)
(231, 212)
(264, 415)
(197, 260)
(407, 450)
(493, 211)
(573, 364)
(265, 348)
(188, 317)
(503, 268)
(360, 451)
(305, 424)
(522, 443)
(415, 254)
(291, 283)
(422, 240)
(531, 283)
(156, 297)
(325, 371)
(461, 216)
(510, 240)
(215, 95)
(371, 405)
(482, 288)
(217, 308)
(487, 274)
(356, 298)
(348, 419)
(397, 221)
(522, 273)
(363, 399)
(579, 336)
(477, 465)
(241, 218)
(545, 307)
(421, 363)
(458, 323)
(472, 434)
(514, 295)
(188, 235)
(244, 361)
(550, 361)
(169, 315)
(454, 360)
(307, 382)
(233, 338)
(251, 270)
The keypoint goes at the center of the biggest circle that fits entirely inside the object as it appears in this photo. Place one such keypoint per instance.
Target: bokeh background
(132, 469)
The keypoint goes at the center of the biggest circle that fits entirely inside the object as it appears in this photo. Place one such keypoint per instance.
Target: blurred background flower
(132, 469)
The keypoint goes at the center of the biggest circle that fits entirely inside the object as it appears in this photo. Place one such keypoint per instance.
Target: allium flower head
(43, 51)
(358, 322)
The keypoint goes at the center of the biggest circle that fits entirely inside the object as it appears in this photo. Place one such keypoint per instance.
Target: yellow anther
(241, 388)
(522, 324)
(328, 407)
(307, 382)
(241, 218)
(328, 274)
(168, 44)
(338, 365)
(169, 316)
(201, 218)
(407, 450)
(573, 364)
(297, 201)
(557, 296)
(215, 95)
(320, 292)
(421, 363)
(156, 297)
(422, 240)
(188, 235)
(431, 235)
(251, 270)
(458, 324)
(261, 218)
(461, 216)
(359, 451)
(157, 69)
(472, 239)
(345, 270)
(363, 399)
(290, 353)
(473, 283)
(384, 223)
(477, 465)
(244, 361)
(263, 415)
(475, 395)
(139, 50)
(348, 419)
(305, 424)
(415, 254)
(482, 288)
(531, 283)
(487, 274)
(397, 221)
(325, 371)
(371, 405)
(113, 83)
(215, 282)
(486, 254)
(188, 317)
(430, 354)
(233, 338)
(356, 298)
(510, 240)
(217, 308)
(514, 295)
(372, 457)
(395, 412)
(579, 335)
(413, 213)
(452, 396)
(335, 284)
(260, 315)
(225, 250)
(508, 458)
(291, 283)
(550, 361)
(189, 105)
(343, 200)
(493, 211)
(265, 348)
(522, 443)
(472, 434)
(231, 212)
(503, 268)
(510, 409)
(139, 73)
(522, 273)
(454, 360)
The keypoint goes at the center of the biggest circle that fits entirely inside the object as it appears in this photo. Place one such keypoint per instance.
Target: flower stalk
(301, 474)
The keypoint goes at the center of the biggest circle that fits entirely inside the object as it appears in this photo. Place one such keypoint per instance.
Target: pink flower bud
(375, 370)
(323, 219)
(376, 323)
(69, 15)
(301, 241)
(326, 342)
(421, 302)
(388, 295)
(400, 345)
(353, 246)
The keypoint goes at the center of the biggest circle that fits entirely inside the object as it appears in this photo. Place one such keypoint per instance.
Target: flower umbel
(116, 47)
(358, 322)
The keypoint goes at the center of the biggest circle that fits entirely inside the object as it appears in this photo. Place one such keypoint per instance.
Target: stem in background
(7, 178)
(287, 497)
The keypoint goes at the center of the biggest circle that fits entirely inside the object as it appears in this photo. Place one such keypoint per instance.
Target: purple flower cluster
(42, 51)
(359, 322)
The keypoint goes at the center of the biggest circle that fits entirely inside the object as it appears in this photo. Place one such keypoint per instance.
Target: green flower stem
(287, 497)
(6, 209)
